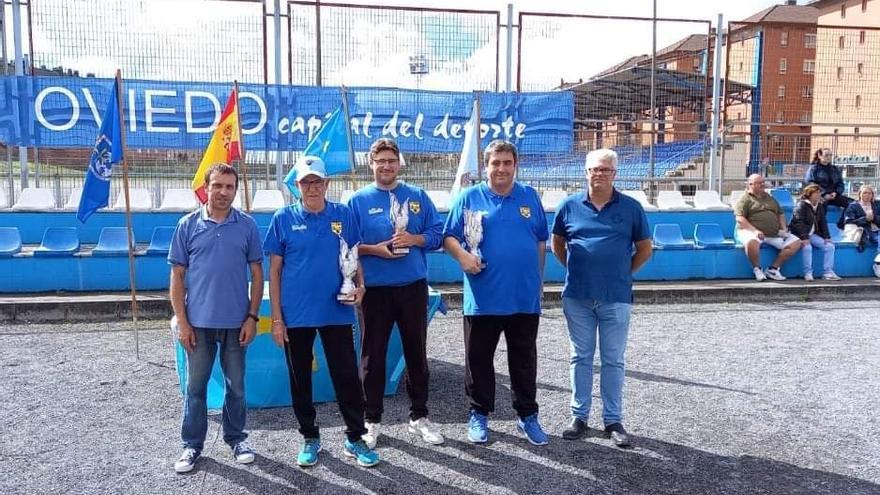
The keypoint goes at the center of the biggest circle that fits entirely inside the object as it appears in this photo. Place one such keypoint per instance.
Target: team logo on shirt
(298, 227)
(415, 207)
(375, 211)
(336, 227)
(525, 212)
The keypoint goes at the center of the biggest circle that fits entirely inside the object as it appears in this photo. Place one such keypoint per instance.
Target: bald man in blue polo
(502, 291)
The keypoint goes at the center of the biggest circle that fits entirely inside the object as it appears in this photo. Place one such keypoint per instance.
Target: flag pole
(131, 272)
(478, 130)
(348, 136)
(247, 196)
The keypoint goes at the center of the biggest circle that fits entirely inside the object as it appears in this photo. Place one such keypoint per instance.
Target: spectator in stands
(809, 225)
(760, 220)
(210, 252)
(502, 290)
(828, 177)
(398, 287)
(304, 243)
(865, 214)
(593, 236)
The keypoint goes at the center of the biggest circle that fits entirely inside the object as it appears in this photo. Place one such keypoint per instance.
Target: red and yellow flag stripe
(225, 146)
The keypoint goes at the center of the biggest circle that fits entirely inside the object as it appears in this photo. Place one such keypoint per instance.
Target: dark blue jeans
(198, 370)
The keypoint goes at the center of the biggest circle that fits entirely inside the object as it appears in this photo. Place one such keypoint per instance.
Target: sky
(184, 40)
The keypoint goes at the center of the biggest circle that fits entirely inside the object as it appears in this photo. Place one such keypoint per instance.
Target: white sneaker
(808, 277)
(759, 274)
(830, 276)
(372, 434)
(774, 273)
(877, 270)
(187, 460)
(427, 430)
(243, 453)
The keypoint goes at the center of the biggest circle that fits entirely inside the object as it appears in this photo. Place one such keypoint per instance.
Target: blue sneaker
(478, 428)
(365, 456)
(308, 456)
(532, 430)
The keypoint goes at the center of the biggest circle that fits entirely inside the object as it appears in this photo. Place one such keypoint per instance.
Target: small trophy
(348, 265)
(399, 220)
(473, 233)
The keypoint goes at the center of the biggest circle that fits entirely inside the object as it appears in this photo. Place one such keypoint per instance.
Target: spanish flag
(225, 146)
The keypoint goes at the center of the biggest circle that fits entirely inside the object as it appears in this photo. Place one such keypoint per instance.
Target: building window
(803, 144)
(777, 144)
(698, 65)
(861, 37)
(807, 92)
(783, 65)
(855, 134)
(781, 92)
(864, 5)
(839, 73)
(860, 68)
(841, 42)
(843, 11)
(780, 116)
(739, 116)
(858, 101)
(783, 38)
(810, 40)
(740, 66)
(805, 117)
(837, 104)
(809, 66)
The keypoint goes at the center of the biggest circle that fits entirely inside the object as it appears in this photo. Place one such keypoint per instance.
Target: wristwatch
(254, 317)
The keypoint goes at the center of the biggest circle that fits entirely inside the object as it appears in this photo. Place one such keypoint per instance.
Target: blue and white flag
(332, 144)
(106, 153)
(470, 150)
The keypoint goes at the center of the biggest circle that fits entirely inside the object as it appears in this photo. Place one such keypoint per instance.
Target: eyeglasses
(387, 161)
(306, 184)
(601, 170)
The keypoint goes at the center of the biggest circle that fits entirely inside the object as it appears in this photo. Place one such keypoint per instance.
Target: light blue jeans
(586, 319)
(198, 371)
(827, 257)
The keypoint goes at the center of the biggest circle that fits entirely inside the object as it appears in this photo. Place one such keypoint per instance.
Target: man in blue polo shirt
(304, 242)
(593, 237)
(210, 253)
(398, 287)
(502, 289)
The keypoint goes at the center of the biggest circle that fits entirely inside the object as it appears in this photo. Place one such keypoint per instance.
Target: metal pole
(279, 168)
(509, 68)
(653, 103)
(317, 42)
(10, 180)
(716, 104)
(19, 71)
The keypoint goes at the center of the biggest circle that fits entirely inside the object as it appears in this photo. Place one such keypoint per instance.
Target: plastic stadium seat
(672, 200)
(709, 235)
(551, 198)
(72, 203)
(267, 200)
(783, 197)
(10, 241)
(734, 197)
(709, 200)
(441, 199)
(640, 196)
(668, 236)
(160, 242)
(35, 199)
(179, 200)
(345, 196)
(58, 241)
(113, 241)
(140, 200)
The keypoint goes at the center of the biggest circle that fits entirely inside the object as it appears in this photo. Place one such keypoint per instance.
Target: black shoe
(575, 430)
(618, 435)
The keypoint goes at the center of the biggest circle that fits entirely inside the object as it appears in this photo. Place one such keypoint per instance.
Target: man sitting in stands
(760, 220)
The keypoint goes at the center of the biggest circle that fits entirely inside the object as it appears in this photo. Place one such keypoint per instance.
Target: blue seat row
(64, 241)
(706, 235)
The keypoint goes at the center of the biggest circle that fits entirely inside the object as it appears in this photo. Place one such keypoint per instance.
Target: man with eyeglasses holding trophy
(398, 224)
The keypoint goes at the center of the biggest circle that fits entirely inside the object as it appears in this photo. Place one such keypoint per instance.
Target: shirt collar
(300, 209)
(615, 196)
(232, 217)
(515, 192)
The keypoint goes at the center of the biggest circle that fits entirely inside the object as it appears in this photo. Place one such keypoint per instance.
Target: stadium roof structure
(626, 94)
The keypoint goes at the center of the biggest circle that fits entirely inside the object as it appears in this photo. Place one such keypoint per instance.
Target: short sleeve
(178, 252)
(255, 244)
(541, 227)
(641, 230)
(454, 226)
(350, 231)
(559, 219)
(275, 241)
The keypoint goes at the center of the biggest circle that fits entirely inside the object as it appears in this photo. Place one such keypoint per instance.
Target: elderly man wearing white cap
(304, 242)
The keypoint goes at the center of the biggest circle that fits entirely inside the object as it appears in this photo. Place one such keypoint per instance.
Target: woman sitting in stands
(809, 225)
(864, 214)
(830, 179)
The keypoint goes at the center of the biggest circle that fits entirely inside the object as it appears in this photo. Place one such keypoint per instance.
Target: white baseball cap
(310, 165)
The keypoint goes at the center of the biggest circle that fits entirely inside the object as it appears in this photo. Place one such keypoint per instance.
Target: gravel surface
(746, 398)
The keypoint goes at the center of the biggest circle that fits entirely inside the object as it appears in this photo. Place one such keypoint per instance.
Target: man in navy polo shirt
(593, 237)
(210, 253)
(502, 291)
(303, 243)
(398, 287)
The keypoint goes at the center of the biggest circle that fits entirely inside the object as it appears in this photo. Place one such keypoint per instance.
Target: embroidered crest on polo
(525, 211)
(336, 227)
(415, 207)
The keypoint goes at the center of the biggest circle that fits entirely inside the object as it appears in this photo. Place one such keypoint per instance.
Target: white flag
(467, 166)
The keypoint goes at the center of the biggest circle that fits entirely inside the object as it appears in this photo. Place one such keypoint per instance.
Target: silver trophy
(399, 220)
(473, 233)
(348, 265)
